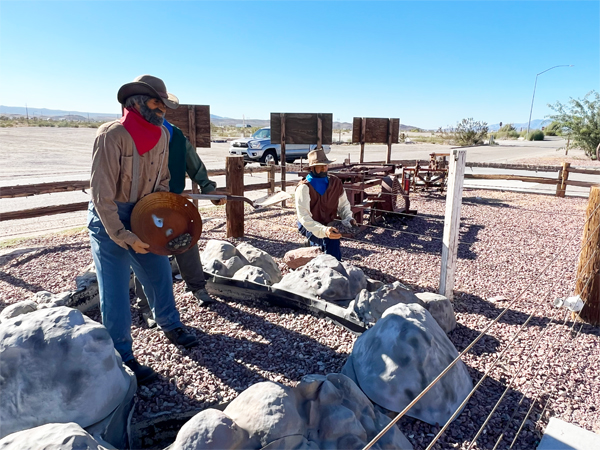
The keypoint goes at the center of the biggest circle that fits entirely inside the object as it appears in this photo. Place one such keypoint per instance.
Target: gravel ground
(507, 239)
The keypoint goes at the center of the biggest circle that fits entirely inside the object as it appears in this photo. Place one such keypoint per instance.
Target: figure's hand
(140, 247)
(354, 223)
(333, 233)
(185, 195)
(219, 202)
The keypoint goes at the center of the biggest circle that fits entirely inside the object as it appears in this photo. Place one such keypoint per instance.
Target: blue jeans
(113, 271)
(328, 246)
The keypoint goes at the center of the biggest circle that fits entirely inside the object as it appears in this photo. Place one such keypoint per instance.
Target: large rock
(210, 429)
(401, 355)
(221, 250)
(440, 308)
(267, 411)
(324, 277)
(57, 366)
(356, 278)
(253, 273)
(300, 256)
(370, 306)
(322, 412)
(225, 268)
(53, 436)
(16, 309)
(262, 259)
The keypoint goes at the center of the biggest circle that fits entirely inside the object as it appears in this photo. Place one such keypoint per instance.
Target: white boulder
(210, 429)
(16, 309)
(401, 355)
(253, 273)
(260, 258)
(53, 436)
(440, 308)
(57, 366)
(370, 306)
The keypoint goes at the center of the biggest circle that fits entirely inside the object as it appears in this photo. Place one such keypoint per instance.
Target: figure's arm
(107, 162)
(197, 170)
(344, 208)
(305, 216)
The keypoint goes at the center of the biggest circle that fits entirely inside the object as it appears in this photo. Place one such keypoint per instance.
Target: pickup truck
(258, 148)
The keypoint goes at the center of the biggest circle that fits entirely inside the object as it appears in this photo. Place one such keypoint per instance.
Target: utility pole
(26, 112)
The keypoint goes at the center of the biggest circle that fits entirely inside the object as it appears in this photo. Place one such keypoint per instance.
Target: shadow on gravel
(474, 304)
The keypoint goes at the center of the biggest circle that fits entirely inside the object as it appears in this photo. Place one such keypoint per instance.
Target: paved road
(37, 155)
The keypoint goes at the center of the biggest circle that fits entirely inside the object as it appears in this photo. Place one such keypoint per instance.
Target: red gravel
(507, 239)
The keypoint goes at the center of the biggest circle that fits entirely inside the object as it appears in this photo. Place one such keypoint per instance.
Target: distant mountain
(536, 124)
(220, 121)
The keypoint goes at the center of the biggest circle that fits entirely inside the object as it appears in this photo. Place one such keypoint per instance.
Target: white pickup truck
(258, 148)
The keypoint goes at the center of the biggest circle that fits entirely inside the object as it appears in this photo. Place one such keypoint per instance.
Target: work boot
(203, 297)
(143, 374)
(179, 336)
(148, 316)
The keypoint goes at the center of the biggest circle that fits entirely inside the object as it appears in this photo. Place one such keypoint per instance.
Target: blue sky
(429, 63)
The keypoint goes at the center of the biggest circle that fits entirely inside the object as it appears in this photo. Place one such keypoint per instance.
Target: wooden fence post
(588, 270)
(561, 186)
(283, 161)
(271, 177)
(234, 178)
(363, 132)
(388, 157)
(456, 172)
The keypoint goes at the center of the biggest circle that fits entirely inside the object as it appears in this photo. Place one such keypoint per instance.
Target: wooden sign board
(376, 130)
(301, 128)
(199, 115)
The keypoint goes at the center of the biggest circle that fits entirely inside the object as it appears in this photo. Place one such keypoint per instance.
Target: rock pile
(243, 263)
(321, 412)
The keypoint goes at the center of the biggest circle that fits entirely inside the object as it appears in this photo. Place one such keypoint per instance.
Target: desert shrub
(581, 119)
(508, 127)
(536, 135)
(470, 132)
(554, 129)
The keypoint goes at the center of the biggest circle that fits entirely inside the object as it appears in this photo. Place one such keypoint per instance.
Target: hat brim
(139, 87)
(322, 163)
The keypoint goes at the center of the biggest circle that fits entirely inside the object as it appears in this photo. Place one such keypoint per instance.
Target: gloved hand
(349, 223)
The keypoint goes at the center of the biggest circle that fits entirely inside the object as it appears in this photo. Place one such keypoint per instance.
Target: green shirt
(184, 159)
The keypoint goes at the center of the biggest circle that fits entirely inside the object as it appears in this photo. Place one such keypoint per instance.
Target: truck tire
(267, 157)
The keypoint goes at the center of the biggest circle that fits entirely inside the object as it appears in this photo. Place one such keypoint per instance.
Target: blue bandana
(320, 184)
(169, 127)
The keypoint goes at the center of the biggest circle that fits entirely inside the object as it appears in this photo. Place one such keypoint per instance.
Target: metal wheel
(269, 157)
(397, 200)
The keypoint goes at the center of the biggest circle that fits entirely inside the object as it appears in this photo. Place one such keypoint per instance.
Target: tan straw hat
(317, 158)
(148, 85)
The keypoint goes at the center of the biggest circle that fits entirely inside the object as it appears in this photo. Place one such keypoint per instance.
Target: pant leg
(333, 248)
(314, 241)
(155, 275)
(190, 268)
(113, 273)
(139, 291)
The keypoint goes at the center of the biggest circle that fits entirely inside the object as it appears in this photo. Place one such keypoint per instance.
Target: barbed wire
(453, 363)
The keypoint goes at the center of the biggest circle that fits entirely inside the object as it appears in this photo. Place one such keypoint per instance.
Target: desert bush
(507, 132)
(470, 132)
(508, 127)
(554, 129)
(536, 135)
(581, 120)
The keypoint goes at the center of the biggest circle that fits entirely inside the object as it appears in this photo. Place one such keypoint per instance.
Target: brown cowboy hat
(317, 158)
(148, 85)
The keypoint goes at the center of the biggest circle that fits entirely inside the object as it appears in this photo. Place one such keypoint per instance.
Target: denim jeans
(113, 271)
(190, 268)
(328, 246)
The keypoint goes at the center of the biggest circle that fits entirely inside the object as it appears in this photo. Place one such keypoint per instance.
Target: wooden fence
(560, 180)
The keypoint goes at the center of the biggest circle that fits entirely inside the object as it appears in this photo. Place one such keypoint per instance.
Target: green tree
(581, 118)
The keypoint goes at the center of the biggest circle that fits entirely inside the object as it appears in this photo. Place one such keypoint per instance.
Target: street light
(534, 86)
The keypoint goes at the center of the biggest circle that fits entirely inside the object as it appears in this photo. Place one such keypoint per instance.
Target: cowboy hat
(317, 158)
(148, 85)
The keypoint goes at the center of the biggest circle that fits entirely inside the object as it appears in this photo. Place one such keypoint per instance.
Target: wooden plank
(585, 171)
(180, 117)
(271, 177)
(390, 133)
(376, 130)
(26, 190)
(526, 179)
(283, 140)
(587, 184)
(44, 211)
(563, 180)
(452, 222)
(235, 186)
(588, 269)
(250, 170)
(267, 185)
(363, 127)
(530, 167)
(302, 128)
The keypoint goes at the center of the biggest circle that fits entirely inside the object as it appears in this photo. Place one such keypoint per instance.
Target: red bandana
(144, 134)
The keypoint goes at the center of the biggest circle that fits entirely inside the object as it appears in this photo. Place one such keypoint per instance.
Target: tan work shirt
(112, 172)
